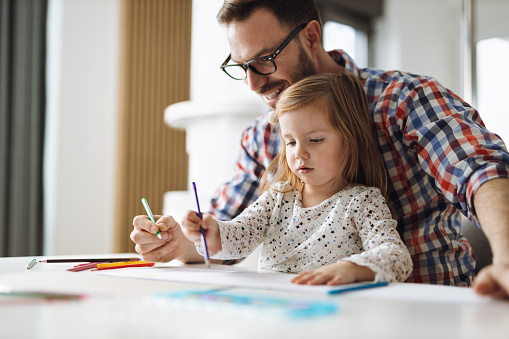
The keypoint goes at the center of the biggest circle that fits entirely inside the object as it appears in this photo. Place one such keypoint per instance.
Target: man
(438, 155)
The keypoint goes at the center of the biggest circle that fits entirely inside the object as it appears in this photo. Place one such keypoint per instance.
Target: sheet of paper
(229, 276)
(426, 293)
(83, 283)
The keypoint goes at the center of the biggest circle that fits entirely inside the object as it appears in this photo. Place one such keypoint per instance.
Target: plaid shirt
(437, 153)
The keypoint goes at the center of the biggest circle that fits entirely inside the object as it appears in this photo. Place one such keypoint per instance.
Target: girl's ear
(312, 36)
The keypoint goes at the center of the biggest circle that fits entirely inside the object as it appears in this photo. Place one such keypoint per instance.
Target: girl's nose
(301, 153)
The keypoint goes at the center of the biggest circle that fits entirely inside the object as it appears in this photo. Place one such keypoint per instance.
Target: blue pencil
(202, 231)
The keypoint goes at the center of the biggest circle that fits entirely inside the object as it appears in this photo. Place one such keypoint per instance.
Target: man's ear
(313, 36)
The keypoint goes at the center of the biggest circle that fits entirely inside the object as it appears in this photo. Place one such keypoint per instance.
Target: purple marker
(202, 231)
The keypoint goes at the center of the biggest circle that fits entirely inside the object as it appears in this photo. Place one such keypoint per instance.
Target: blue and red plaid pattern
(437, 153)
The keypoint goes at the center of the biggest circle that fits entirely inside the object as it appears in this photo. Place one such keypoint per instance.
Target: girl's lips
(304, 170)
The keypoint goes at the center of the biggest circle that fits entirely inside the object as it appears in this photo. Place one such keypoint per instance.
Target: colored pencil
(151, 216)
(50, 261)
(83, 267)
(31, 263)
(113, 266)
(202, 231)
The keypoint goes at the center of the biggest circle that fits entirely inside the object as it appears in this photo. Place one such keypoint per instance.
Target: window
(492, 85)
(353, 41)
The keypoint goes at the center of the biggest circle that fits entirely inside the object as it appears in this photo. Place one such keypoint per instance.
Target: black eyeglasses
(264, 65)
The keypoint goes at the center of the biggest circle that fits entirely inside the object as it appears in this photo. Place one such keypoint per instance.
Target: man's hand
(173, 245)
(493, 281)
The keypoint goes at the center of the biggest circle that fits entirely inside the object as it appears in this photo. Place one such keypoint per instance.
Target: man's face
(260, 35)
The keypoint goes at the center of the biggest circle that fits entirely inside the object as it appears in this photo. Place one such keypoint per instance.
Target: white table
(122, 308)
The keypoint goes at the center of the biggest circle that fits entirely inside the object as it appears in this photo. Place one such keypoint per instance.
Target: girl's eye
(290, 143)
(316, 140)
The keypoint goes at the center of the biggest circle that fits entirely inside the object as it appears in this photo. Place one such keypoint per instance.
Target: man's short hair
(290, 13)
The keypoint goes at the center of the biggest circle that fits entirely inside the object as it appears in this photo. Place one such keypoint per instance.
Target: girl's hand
(343, 272)
(191, 226)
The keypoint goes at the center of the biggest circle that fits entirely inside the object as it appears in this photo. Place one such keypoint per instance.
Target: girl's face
(313, 148)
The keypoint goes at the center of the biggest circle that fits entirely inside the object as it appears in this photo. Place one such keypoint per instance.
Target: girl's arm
(385, 258)
(384, 251)
(242, 235)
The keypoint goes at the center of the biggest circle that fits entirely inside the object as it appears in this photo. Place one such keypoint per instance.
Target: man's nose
(255, 81)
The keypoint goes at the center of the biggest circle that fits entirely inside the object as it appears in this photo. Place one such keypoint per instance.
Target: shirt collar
(345, 60)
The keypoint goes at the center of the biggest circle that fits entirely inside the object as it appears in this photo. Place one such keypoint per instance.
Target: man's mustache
(270, 87)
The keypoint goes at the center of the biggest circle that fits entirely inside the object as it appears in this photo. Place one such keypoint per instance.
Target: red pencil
(83, 267)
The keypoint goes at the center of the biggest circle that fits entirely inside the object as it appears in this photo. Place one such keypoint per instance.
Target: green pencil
(151, 216)
(31, 263)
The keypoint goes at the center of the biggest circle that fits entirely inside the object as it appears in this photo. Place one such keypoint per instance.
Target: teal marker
(151, 216)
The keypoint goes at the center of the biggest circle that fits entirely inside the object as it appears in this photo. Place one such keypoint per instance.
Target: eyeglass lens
(262, 66)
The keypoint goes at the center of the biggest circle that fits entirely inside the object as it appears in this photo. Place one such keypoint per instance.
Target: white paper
(426, 293)
(81, 283)
(228, 276)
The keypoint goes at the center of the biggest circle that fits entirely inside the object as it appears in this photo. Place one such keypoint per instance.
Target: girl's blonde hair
(342, 98)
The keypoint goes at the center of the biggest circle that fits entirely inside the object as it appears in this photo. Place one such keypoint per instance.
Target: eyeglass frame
(269, 57)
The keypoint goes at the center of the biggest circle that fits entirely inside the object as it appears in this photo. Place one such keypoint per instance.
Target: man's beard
(305, 69)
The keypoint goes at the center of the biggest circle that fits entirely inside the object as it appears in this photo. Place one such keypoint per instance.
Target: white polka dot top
(354, 224)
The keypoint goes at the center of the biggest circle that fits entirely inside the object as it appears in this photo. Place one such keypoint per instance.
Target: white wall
(209, 48)
(80, 148)
(424, 36)
(421, 37)
(219, 110)
(491, 19)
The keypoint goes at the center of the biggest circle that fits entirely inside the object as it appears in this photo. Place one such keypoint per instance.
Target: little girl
(322, 212)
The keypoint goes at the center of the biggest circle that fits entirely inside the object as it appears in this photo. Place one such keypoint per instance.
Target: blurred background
(85, 84)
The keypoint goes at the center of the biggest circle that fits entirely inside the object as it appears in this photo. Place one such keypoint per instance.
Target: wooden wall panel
(154, 73)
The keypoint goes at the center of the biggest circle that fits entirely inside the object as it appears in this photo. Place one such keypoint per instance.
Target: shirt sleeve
(242, 235)
(384, 251)
(451, 142)
(259, 145)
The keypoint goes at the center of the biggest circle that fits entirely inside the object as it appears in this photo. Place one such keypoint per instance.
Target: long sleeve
(384, 251)
(293, 238)
(450, 140)
(241, 236)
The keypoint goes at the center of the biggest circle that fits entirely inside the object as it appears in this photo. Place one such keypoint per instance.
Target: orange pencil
(112, 266)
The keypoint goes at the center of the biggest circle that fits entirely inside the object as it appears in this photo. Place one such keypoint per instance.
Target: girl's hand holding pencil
(191, 224)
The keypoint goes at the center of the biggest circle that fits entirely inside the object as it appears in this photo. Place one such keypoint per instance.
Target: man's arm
(491, 203)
